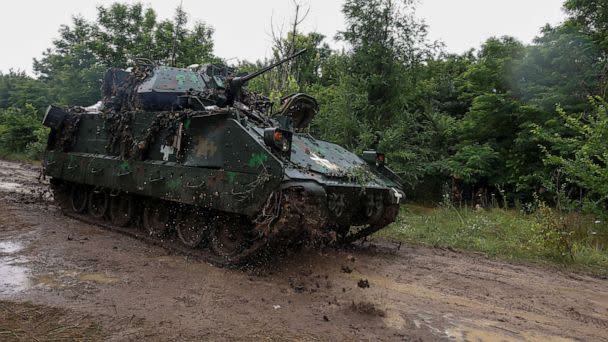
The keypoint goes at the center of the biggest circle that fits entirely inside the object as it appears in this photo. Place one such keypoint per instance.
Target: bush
(22, 135)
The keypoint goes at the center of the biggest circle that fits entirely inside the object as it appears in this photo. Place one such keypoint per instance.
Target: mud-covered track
(169, 243)
(91, 205)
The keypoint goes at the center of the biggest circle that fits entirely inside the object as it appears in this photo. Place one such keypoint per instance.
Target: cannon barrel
(237, 82)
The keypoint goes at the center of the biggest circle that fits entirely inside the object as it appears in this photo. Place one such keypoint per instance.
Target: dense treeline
(499, 123)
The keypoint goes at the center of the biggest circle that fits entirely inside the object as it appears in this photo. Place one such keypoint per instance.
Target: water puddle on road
(11, 187)
(13, 276)
(65, 279)
(483, 330)
(13, 272)
(9, 247)
(99, 278)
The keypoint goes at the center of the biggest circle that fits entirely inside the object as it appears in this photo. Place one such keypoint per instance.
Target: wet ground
(64, 279)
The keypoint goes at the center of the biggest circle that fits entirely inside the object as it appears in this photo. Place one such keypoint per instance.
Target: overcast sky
(242, 27)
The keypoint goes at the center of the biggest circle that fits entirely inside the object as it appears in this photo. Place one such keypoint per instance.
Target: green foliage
(543, 236)
(592, 17)
(297, 75)
(581, 152)
(21, 132)
(17, 89)
(364, 91)
(564, 66)
(472, 162)
(121, 33)
(35, 148)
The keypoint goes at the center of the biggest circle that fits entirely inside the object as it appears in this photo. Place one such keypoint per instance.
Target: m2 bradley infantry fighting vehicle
(187, 155)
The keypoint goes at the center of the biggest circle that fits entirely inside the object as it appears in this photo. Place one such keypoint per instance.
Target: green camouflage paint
(257, 159)
(180, 78)
(124, 165)
(231, 177)
(174, 183)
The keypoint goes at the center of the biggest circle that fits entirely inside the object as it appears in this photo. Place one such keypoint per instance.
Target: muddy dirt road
(61, 278)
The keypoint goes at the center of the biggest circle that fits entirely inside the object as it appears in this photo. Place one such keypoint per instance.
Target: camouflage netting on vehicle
(170, 121)
(119, 88)
(64, 140)
(120, 137)
(131, 145)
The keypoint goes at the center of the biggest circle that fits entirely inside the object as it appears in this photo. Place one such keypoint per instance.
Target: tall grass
(545, 235)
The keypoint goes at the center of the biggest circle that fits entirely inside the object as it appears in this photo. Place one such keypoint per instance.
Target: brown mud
(62, 279)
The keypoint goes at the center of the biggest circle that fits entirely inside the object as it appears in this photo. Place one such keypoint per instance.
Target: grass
(12, 156)
(572, 241)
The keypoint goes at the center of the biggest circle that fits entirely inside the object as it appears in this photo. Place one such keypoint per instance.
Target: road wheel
(228, 237)
(98, 203)
(192, 226)
(78, 198)
(121, 210)
(156, 218)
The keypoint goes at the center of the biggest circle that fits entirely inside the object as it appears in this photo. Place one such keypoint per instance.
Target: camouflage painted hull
(214, 165)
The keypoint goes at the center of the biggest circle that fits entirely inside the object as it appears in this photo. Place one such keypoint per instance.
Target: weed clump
(367, 308)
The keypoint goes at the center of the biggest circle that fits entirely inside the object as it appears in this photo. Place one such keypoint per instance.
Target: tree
(563, 66)
(19, 128)
(120, 34)
(17, 90)
(581, 152)
(592, 16)
(387, 48)
(71, 69)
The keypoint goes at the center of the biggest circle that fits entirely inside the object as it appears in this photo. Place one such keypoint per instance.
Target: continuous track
(295, 218)
(170, 243)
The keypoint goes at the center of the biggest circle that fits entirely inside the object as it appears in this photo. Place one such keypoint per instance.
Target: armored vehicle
(188, 154)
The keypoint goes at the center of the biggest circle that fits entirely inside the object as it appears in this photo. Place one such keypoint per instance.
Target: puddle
(167, 260)
(475, 334)
(13, 275)
(46, 280)
(66, 279)
(445, 298)
(394, 320)
(481, 330)
(597, 297)
(9, 247)
(100, 278)
(11, 187)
